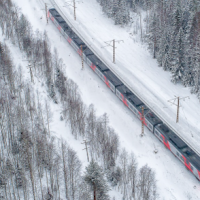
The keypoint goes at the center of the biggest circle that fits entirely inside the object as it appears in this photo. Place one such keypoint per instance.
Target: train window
(111, 86)
(117, 92)
(102, 77)
(97, 71)
(89, 62)
(132, 108)
(156, 132)
(181, 158)
(128, 103)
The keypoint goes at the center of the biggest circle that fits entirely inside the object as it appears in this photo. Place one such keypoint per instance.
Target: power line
(172, 101)
(143, 120)
(82, 56)
(74, 6)
(112, 44)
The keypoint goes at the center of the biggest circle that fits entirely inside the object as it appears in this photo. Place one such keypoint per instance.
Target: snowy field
(136, 66)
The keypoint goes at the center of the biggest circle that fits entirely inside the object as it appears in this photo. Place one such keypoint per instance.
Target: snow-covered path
(174, 181)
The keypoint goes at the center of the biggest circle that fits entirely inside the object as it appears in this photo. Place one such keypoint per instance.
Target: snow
(136, 66)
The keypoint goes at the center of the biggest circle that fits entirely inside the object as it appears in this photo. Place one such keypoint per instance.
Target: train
(170, 139)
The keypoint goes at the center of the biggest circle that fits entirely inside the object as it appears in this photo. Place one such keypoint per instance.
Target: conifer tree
(179, 64)
(95, 178)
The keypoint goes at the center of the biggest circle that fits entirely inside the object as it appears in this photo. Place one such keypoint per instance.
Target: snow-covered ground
(136, 65)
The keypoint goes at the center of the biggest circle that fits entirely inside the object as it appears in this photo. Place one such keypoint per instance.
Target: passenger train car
(171, 141)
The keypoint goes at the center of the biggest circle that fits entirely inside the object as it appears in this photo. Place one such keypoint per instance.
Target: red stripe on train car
(124, 100)
(198, 173)
(142, 119)
(79, 52)
(59, 28)
(188, 166)
(106, 81)
(165, 143)
(69, 40)
(93, 67)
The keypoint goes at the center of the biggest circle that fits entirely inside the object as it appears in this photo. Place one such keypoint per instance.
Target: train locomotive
(174, 143)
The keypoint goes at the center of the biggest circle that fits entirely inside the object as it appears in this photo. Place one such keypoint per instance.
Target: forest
(171, 29)
(34, 163)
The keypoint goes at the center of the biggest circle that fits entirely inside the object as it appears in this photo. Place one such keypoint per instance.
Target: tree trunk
(94, 192)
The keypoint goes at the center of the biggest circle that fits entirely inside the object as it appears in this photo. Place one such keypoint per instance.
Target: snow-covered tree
(179, 57)
(94, 176)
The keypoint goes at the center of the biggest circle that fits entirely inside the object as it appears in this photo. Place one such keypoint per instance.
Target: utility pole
(172, 101)
(1, 49)
(86, 148)
(74, 6)
(113, 46)
(30, 68)
(140, 24)
(82, 56)
(31, 73)
(142, 119)
(113, 51)
(74, 9)
(46, 12)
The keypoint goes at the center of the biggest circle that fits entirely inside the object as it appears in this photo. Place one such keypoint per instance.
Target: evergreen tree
(196, 64)
(95, 178)
(154, 32)
(177, 17)
(163, 50)
(179, 53)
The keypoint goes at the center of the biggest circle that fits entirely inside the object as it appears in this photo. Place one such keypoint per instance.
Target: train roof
(79, 42)
(60, 20)
(54, 12)
(69, 32)
(171, 136)
(191, 156)
(93, 58)
(124, 90)
(112, 78)
(102, 67)
(180, 145)
(146, 109)
(57, 16)
(151, 117)
(74, 36)
(65, 26)
(129, 95)
(88, 52)
(195, 160)
(134, 100)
